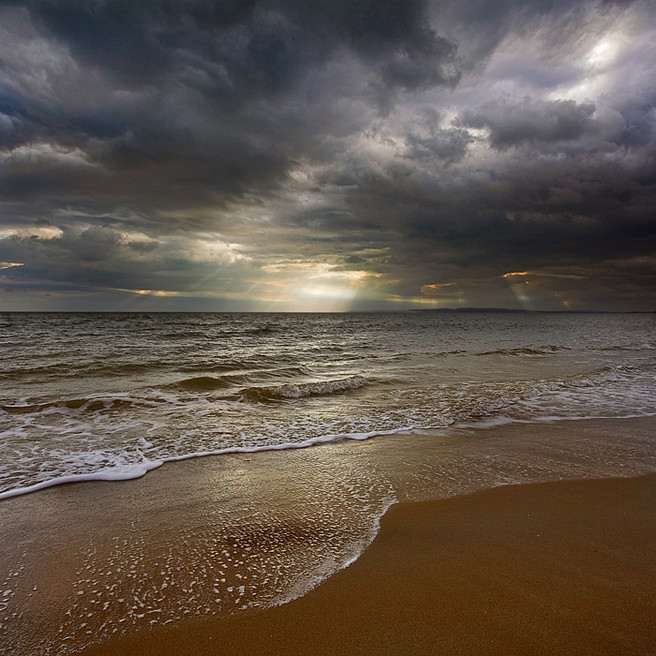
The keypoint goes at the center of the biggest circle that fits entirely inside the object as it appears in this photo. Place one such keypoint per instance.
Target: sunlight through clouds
(323, 157)
(312, 286)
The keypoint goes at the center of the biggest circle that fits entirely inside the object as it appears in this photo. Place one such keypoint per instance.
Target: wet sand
(161, 564)
(548, 568)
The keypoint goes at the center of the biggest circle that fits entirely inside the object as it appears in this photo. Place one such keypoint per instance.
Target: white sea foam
(130, 471)
(303, 390)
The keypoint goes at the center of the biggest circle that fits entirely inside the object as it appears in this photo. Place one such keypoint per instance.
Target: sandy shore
(185, 559)
(551, 568)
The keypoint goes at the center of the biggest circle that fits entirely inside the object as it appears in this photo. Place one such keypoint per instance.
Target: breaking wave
(290, 391)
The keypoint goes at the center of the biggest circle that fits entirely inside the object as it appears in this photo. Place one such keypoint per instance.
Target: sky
(325, 155)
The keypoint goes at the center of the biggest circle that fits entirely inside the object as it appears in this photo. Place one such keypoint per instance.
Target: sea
(113, 396)
(327, 419)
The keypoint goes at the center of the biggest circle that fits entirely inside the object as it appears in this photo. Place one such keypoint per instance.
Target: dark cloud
(537, 123)
(433, 140)
(393, 149)
(248, 47)
(207, 113)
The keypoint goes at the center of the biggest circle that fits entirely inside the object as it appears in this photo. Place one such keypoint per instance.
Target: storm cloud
(280, 155)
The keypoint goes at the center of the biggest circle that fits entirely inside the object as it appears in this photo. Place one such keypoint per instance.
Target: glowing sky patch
(436, 288)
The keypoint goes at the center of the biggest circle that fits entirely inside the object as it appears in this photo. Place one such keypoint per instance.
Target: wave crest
(209, 383)
(90, 404)
(527, 350)
(291, 391)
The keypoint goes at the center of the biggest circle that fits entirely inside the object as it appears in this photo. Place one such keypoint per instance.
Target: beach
(330, 483)
(563, 567)
(259, 553)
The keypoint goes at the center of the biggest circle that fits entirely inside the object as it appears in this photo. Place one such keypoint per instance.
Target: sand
(157, 565)
(549, 568)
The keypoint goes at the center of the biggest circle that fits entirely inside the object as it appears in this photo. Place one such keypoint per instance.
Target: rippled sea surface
(111, 396)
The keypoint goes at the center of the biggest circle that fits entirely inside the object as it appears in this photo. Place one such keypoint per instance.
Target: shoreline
(189, 549)
(540, 568)
(138, 471)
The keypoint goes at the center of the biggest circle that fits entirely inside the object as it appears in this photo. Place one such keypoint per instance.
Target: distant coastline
(471, 310)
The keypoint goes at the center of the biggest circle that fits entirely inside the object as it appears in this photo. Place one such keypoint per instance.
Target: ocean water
(112, 396)
(319, 424)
